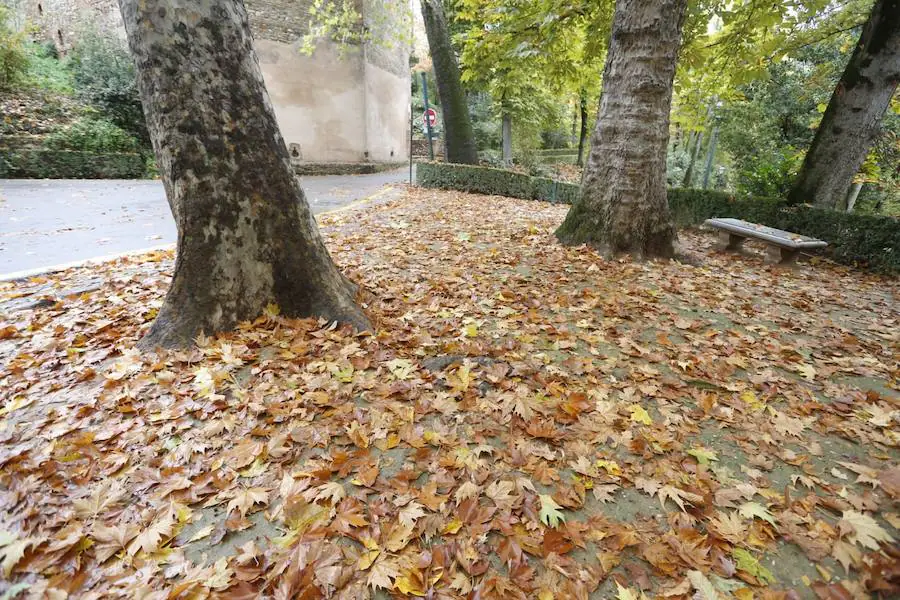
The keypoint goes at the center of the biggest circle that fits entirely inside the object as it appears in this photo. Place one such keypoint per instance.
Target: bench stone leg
(777, 255)
(730, 241)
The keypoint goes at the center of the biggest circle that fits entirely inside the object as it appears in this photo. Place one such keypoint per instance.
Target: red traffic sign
(430, 117)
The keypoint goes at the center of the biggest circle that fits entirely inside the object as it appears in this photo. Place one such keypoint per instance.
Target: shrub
(13, 59)
(853, 239)
(70, 164)
(104, 77)
(93, 135)
(46, 71)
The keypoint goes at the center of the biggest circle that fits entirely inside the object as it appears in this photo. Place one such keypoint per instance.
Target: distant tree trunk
(710, 156)
(506, 126)
(246, 237)
(459, 137)
(694, 152)
(623, 207)
(854, 195)
(854, 113)
(582, 137)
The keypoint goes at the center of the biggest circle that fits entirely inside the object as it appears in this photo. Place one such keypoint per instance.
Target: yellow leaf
(202, 533)
(550, 513)
(409, 586)
(610, 466)
(863, 529)
(703, 455)
(639, 415)
(16, 403)
(750, 398)
(258, 467)
(453, 526)
(368, 557)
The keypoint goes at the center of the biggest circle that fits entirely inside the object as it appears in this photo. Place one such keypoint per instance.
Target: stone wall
(350, 106)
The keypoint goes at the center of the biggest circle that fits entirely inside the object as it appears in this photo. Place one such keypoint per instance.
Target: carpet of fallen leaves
(526, 421)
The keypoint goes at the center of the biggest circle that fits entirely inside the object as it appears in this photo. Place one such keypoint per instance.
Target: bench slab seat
(783, 246)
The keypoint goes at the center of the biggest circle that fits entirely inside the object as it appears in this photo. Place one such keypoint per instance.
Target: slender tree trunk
(695, 151)
(623, 207)
(854, 195)
(506, 126)
(246, 236)
(854, 113)
(582, 136)
(459, 137)
(710, 156)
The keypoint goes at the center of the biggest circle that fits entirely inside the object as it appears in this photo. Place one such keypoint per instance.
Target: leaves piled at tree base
(527, 420)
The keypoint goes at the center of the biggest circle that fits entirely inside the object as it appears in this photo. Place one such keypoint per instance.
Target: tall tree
(854, 112)
(246, 236)
(459, 136)
(623, 207)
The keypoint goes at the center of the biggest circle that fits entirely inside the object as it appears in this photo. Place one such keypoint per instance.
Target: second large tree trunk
(623, 207)
(459, 136)
(854, 113)
(246, 236)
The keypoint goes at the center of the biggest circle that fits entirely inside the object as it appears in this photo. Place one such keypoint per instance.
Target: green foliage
(387, 25)
(104, 77)
(768, 126)
(46, 71)
(13, 58)
(93, 135)
(69, 164)
(854, 239)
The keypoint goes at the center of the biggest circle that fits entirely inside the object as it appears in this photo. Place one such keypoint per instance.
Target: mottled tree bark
(623, 207)
(582, 136)
(246, 236)
(854, 113)
(459, 137)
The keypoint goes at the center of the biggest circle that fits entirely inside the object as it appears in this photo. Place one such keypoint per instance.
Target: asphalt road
(44, 223)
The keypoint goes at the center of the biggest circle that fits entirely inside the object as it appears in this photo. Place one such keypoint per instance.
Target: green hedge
(494, 182)
(862, 240)
(70, 164)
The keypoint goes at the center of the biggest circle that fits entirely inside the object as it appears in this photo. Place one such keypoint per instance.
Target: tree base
(656, 239)
(181, 320)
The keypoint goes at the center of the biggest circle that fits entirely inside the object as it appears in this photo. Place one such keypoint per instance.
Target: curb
(27, 273)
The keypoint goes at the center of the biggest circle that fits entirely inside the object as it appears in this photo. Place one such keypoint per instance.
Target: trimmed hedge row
(854, 239)
(494, 182)
(70, 164)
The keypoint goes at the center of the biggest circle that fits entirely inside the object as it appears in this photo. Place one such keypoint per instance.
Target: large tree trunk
(854, 113)
(582, 136)
(459, 137)
(623, 207)
(246, 236)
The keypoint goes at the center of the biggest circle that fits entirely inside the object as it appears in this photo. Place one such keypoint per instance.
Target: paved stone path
(50, 222)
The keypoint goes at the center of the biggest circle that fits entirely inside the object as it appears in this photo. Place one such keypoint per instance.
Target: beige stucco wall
(387, 114)
(319, 100)
(350, 108)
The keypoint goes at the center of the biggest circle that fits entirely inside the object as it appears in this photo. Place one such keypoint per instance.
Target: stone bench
(783, 246)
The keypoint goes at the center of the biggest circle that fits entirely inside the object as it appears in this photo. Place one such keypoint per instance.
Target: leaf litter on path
(526, 420)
